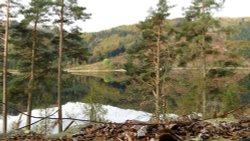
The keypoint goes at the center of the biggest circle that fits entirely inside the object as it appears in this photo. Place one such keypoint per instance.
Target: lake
(110, 89)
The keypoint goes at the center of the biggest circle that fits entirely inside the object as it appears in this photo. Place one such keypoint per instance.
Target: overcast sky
(111, 13)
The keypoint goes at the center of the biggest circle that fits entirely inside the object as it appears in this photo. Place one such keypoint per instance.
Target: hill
(111, 44)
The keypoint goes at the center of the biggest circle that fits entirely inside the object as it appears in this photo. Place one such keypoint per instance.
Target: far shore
(93, 70)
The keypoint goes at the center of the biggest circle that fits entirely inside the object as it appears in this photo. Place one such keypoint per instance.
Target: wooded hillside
(113, 43)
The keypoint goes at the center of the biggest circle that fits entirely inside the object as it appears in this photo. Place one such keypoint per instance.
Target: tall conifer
(151, 56)
(199, 24)
(35, 14)
(68, 12)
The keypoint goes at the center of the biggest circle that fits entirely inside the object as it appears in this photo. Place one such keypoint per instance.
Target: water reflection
(110, 89)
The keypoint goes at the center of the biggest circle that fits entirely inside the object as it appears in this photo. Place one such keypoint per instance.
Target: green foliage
(75, 48)
(108, 64)
(38, 11)
(16, 90)
(117, 51)
(15, 6)
(199, 21)
(244, 32)
(151, 57)
(200, 30)
(94, 110)
(99, 92)
(21, 50)
(241, 46)
(45, 53)
(217, 73)
(102, 44)
(72, 11)
(231, 98)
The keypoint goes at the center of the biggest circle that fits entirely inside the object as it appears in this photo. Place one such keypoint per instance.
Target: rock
(142, 132)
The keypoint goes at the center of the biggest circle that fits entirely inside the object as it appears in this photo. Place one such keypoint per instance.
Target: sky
(107, 14)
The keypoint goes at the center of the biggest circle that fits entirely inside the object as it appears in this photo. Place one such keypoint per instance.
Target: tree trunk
(204, 88)
(5, 65)
(157, 69)
(204, 70)
(32, 74)
(59, 77)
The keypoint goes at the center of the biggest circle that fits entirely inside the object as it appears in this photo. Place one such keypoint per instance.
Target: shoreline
(94, 70)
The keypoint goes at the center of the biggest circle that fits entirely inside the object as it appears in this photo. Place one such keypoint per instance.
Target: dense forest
(198, 63)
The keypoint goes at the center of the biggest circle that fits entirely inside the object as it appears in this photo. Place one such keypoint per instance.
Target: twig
(47, 117)
(69, 125)
(227, 113)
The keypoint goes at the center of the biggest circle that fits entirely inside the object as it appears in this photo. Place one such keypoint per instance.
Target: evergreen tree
(199, 28)
(35, 14)
(75, 48)
(68, 11)
(151, 57)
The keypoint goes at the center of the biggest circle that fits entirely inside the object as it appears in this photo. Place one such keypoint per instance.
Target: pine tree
(75, 48)
(152, 55)
(68, 11)
(35, 14)
(199, 26)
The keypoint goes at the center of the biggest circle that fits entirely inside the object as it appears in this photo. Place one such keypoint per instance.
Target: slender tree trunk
(204, 88)
(204, 70)
(157, 69)
(59, 77)
(164, 106)
(5, 65)
(32, 75)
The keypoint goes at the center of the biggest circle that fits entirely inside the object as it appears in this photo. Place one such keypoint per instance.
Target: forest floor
(132, 130)
(223, 127)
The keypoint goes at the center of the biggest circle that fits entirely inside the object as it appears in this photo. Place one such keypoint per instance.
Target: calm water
(109, 89)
